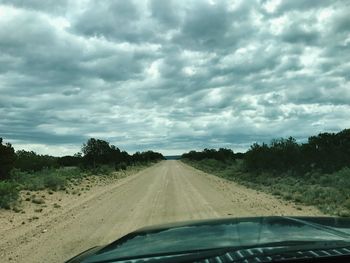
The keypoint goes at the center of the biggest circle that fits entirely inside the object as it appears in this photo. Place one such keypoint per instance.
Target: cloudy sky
(171, 75)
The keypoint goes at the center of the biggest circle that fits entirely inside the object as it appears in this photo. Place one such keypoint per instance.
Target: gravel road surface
(166, 192)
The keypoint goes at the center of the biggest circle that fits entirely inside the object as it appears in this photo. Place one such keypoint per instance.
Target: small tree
(96, 152)
(7, 159)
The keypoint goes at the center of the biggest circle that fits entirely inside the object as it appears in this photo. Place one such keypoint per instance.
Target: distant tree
(257, 157)
(96, 152)
(239, 155)
(7, 159)
(68, 160)
(115, 155)
(327, 152)
(30, 161)
(222, 154)
(78, 155)
(148, 156)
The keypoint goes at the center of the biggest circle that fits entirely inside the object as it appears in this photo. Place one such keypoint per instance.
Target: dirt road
(166, 192)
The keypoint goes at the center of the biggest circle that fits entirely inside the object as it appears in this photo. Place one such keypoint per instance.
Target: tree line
(325, 152)
(95, 153)
(222, 154)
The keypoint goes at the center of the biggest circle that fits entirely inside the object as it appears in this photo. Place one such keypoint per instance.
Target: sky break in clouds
(171, 75)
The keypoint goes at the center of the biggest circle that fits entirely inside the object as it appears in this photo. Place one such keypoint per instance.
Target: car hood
(220, 233)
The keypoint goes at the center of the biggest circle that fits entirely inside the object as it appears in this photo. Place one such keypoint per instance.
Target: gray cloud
(115, 20)
(296, 34)
(165, 13)
(171, 75)
(50, 6)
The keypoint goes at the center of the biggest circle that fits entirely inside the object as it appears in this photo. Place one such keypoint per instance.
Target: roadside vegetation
(313, 173)
(26, 170)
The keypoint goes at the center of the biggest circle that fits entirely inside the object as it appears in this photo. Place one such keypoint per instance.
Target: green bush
(8, 194)
(70, 172)
(54, 179)
(54, 182)
(347, 204)
(33, 184)
(120, 166)
(103, 169)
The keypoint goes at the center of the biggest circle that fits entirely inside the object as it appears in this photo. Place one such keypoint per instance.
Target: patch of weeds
(347, 204)
(344, 213)
(9, 194)
(54, 182)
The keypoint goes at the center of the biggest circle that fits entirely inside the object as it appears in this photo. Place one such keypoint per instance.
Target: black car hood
(221, 233)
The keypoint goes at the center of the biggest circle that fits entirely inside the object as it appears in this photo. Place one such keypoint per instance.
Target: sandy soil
(166, 192)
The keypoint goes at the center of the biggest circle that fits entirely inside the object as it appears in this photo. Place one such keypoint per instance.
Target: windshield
(117, 115)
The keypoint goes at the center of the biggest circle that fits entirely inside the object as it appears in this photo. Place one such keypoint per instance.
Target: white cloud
(171, 75)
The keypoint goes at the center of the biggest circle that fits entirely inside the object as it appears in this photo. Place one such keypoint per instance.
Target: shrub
(54, 182)
(103, 169)
(344, 213)
(297, 197)
(120, 166)
(33, 184)
(70, 172)
(347, 204)
(8, 194)
(30, 161)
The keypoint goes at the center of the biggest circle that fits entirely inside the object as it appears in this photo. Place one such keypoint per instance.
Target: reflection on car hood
(231, 232)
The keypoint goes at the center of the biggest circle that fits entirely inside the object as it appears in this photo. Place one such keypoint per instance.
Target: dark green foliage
(54, 179)
(98, 152)
(120, 166)
(7, 159)
(280, 155)
(221, 155)
(75, 160)
(146, 157)
(327, 152)
(8, 194)
(29, 161)
(239, 156)
(102, 169)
